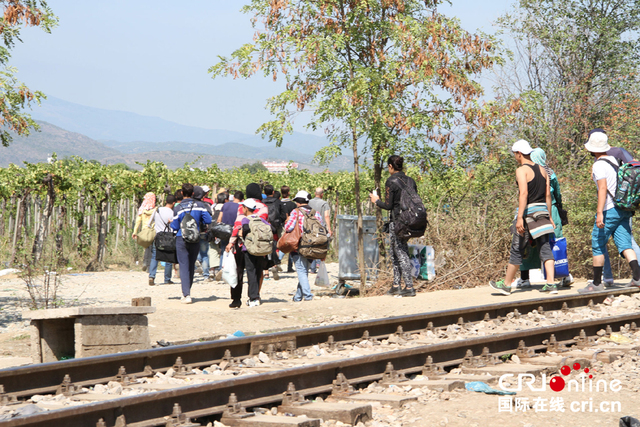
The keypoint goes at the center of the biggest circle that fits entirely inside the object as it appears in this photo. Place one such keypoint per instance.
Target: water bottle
(431, 263)
(622, 191)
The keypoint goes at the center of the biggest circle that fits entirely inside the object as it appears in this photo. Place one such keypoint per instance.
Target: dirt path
(210, 315)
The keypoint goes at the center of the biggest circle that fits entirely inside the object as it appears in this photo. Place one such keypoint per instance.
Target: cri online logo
(557, 383)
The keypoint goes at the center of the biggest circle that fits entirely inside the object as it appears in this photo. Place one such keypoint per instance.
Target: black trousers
(254, 265)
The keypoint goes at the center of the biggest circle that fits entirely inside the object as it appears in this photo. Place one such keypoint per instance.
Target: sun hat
(598, 142)
(302, 197)
(522, 146)
(250, 204)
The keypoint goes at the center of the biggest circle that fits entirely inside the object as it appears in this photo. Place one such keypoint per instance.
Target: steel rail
(263, 389)
(46, 377)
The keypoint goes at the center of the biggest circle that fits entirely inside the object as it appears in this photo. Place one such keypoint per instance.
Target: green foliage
(574, 69)
(390, 75)
(254, 167)
(15, 97)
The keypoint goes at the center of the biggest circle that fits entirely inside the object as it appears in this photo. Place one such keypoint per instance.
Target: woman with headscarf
(539, 157)
(145, 212)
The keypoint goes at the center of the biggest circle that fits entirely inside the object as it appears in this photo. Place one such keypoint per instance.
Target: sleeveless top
(537, 187)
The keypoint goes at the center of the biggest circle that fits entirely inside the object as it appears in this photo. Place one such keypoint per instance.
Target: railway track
(151, 409)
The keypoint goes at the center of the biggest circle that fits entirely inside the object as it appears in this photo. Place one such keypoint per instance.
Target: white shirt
(603, 170)
(163, 218)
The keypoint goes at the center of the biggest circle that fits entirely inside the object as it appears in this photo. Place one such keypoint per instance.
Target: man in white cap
(532, 220)
(610, 220)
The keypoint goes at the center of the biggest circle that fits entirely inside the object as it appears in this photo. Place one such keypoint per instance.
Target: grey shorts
(520, 246)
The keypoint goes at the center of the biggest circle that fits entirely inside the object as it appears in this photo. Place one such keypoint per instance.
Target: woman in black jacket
(399, 250)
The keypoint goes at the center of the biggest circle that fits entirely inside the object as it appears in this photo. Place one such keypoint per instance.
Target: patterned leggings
(399, 255)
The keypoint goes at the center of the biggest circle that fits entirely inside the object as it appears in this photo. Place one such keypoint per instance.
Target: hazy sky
(151, 58)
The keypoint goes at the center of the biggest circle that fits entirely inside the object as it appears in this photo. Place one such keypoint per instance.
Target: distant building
(279, 166)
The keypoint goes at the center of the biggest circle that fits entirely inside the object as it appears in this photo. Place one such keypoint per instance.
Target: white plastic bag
(229, 269)
(322, 279)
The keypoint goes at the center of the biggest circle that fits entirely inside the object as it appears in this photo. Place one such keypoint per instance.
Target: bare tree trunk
(2, 211)
(59, 236)
(356, 178)
(12, 218)
(118, 214)
(80, 224)
(97, 264)
(38, 241)
(377, 179)
(17, 236)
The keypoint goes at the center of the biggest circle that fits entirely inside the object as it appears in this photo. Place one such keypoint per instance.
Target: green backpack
(260, 241)
(627, 195)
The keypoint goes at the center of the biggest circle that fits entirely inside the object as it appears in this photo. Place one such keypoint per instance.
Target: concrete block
(141, 302)
(56, 339)
(96, 335)
(60, 313)
(489, 379)
(510, 368)
(392, 400)
(446, 385)
(271, 421)
(348, 413)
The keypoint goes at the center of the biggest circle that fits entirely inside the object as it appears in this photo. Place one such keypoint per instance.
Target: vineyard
(77, 213)
(87, 210)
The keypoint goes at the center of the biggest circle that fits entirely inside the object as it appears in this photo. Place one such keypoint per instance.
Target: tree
(254, 167)
(575, 68)
(14, 95)
(378, 75)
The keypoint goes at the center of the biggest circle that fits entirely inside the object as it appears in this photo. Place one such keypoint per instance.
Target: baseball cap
(522, 146)
(205, 188)
(598, 141)
(250, 204)
(302, 196)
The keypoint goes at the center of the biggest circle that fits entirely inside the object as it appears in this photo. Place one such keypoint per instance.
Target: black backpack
(189, 227)
(274, 207)
(412, 220)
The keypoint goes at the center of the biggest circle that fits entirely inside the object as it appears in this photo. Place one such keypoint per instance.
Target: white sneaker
(254, 303)
(566, 281)
(186, 300)
(523, 283)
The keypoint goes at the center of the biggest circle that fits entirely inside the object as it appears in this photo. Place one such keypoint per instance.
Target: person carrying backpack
(277, 218)
(395, 186)
(257, 238)
(308, 221)
(611, 220)
(236, 245)
(189, 221)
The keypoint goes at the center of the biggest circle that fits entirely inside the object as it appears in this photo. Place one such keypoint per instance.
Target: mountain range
(122, 137)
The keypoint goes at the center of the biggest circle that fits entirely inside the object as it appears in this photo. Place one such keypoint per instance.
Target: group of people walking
(257, 218)
(538, 218)
(261, 216)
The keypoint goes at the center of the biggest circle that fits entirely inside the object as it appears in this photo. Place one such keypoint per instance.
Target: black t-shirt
(288, 206)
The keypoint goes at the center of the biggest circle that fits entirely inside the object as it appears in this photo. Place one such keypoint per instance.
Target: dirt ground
(209, 316)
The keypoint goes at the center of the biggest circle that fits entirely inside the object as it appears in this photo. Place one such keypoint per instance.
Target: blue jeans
(314, 266)
(153, 266)
(302, 268)
(607, 274)
(203, 257)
